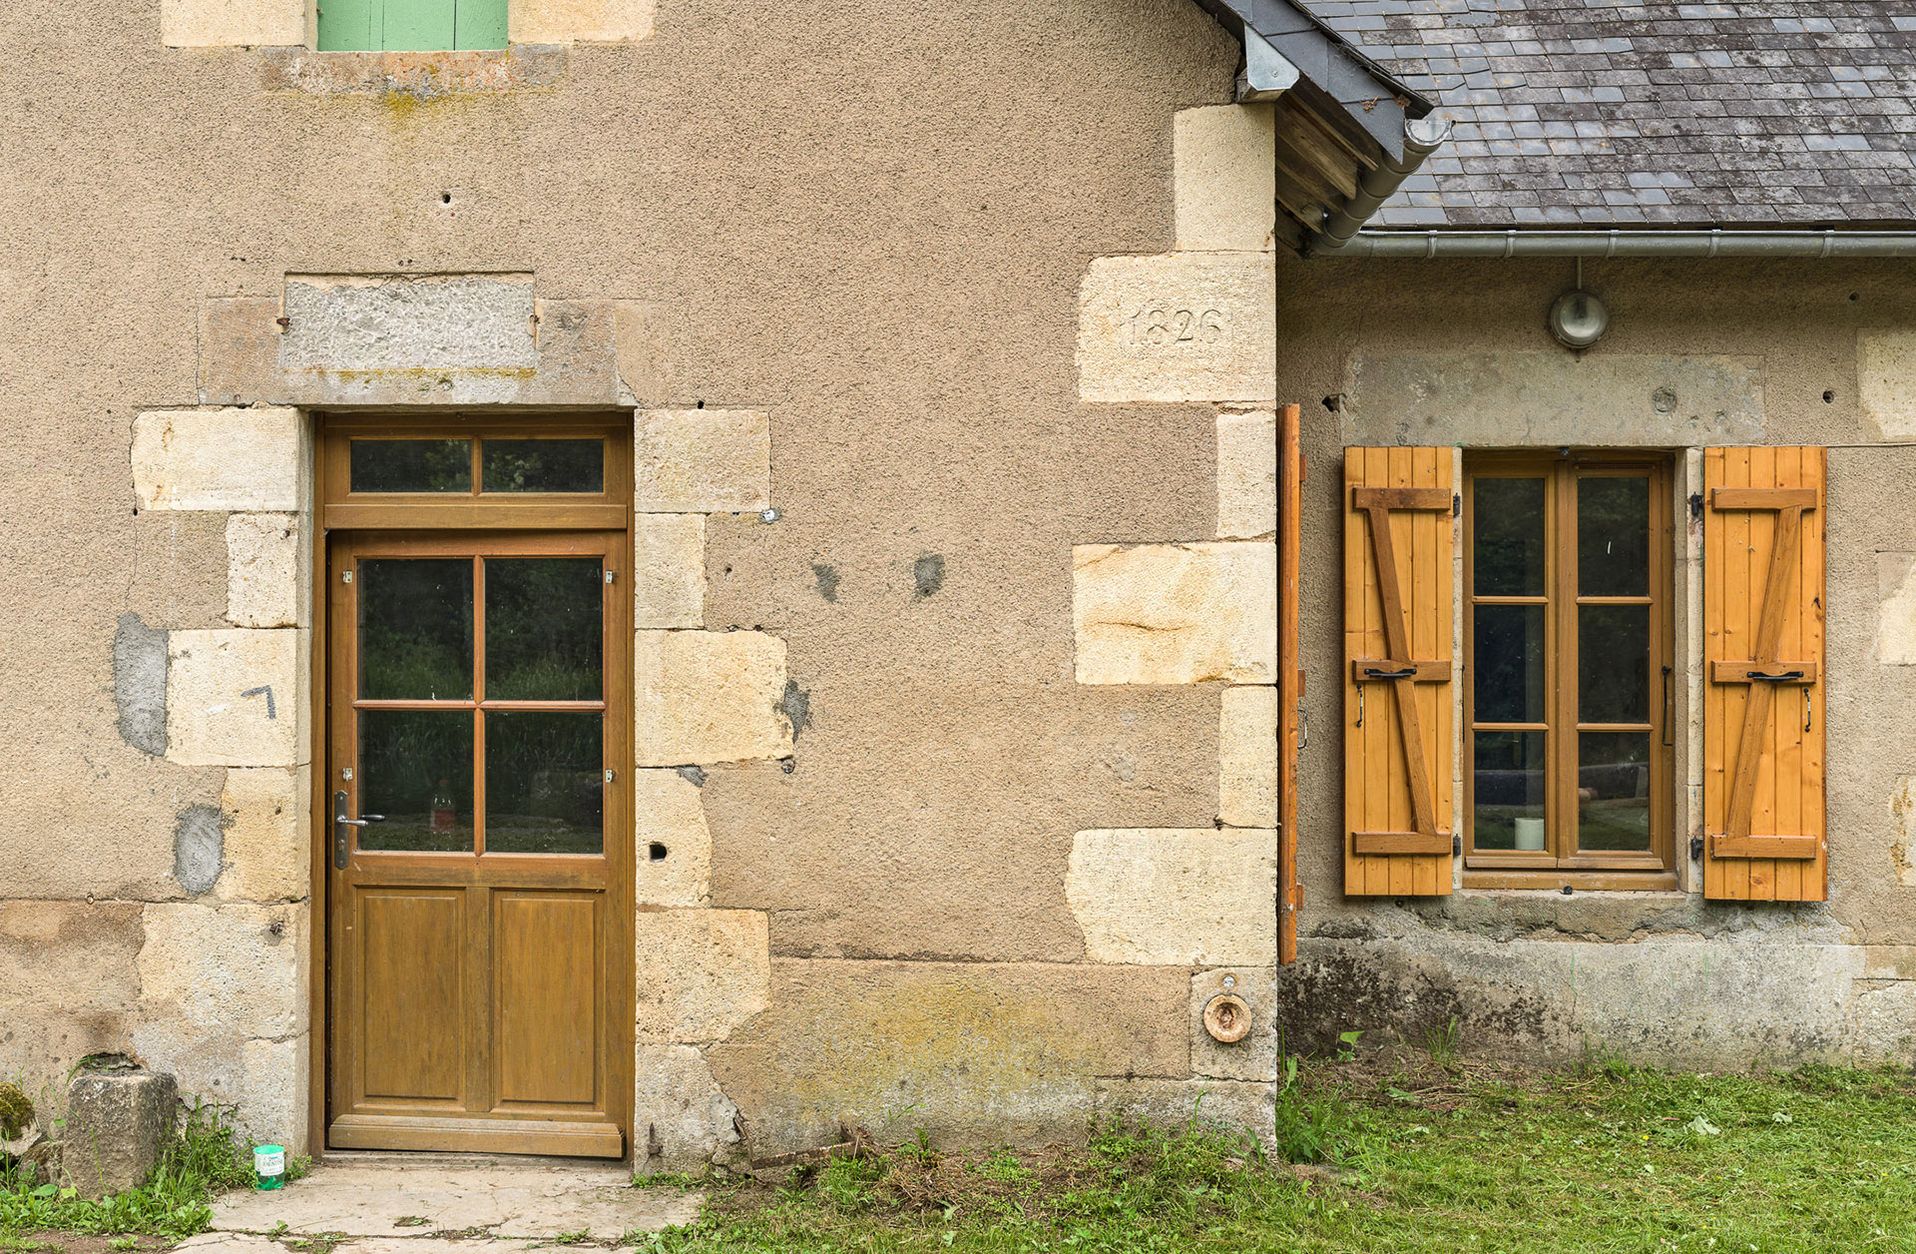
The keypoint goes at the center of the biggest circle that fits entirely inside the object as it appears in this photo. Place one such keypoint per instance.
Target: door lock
(342, 829)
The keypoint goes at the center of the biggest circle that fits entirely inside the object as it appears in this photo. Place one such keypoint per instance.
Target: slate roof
(1622, 113)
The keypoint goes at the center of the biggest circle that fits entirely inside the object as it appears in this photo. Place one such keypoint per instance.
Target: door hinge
(608, 576)
(610, 775)
(345, 576)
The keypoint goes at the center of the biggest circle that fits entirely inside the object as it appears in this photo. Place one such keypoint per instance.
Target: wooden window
(1569, 684)
(394, 471)
(410, 25)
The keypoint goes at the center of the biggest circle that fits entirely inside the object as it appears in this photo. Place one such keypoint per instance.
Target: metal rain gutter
(1422, 136)
(1434, 245)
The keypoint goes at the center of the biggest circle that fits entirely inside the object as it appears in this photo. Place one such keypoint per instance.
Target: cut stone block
(228, 23)
(668, 570)
(1181, 327)
(1247, 474)
(219, 459)
(1175, 613)
(265, 579)
(705, 697)
(235, 697)
(674, 843)
(1247, 758)
(1254, 1057)
(267, 835)
(394, 322)
(119, 1120)
(1225, 188)
(701, 973)
(231, 970)
(1176, 897)
(1886, 380)
(1229, 1105)
(581, 21)
(1896, 620)
(681, 1120)
(703, 461)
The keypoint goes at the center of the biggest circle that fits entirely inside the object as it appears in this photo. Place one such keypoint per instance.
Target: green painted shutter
(348, 25)
(410, 25)
(480, 24)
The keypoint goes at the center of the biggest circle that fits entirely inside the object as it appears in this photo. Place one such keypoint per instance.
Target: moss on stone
(16, 1112)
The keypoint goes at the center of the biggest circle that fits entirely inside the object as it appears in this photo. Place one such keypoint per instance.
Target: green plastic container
(269, 1166)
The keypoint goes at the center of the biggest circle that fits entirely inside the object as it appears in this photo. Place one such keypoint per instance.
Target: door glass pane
(543, 628)
(543, 465)
(412, 465)
(415, 628)
(1613, 536)
(1613, 791)
(415, 767)
(545, 782)
(1613, 663)
(1508, 791)
(1507, 529)
(1509, 664)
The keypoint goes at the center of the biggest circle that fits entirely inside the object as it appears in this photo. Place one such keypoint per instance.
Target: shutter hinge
(1456, 505)
(1696, 849)
(1696, 507)
(1456, 845)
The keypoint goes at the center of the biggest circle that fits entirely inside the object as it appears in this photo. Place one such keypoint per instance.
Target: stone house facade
(709, 573)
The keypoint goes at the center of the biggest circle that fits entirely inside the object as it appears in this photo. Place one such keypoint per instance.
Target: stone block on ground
(119, 1120)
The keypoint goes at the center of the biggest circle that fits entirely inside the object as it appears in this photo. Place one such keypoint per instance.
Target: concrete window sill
(423, 75)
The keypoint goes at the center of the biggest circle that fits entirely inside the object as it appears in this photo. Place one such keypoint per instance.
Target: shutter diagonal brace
(1763, 673)
(1401, 672)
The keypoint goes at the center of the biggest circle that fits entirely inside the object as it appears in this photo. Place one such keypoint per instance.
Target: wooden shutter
(1399, 729)
(1290, 679)
(410, 25)
(1763, 787)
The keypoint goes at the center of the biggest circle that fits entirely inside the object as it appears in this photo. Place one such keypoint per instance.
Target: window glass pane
(411, 465)
(1613, 536)
(1613, 791)
(543, 628)
(415, 767)
(415, 629)
(544, 782)
(1509, 664)
(1507, 531)
(1613, 663)
(543, 465)
(1508, 791)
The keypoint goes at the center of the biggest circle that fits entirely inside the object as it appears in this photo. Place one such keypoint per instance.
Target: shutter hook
(1360, 705)
(1809, 708)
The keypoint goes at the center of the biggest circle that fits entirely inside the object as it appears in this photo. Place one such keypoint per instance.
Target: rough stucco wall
(1457, 353)
(871, 225)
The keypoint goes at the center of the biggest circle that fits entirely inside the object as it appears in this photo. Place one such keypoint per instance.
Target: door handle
(342, 833)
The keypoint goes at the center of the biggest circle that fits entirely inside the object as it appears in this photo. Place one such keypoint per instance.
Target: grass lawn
(1392, 1151)
(1413, 1155)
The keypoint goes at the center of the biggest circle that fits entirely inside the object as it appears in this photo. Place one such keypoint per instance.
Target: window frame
(1561, 863)
(343, 509)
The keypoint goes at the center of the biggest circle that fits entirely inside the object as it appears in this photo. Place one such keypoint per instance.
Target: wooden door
(476, 931)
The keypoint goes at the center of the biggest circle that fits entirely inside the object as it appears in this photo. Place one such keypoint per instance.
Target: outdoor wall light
(1578, 319)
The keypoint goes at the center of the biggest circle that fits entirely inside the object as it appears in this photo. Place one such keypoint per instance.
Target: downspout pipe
(1422, 136)
(1436, 245)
